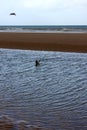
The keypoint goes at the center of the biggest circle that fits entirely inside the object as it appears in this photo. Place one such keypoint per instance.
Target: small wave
(8, 123)
(45, 29)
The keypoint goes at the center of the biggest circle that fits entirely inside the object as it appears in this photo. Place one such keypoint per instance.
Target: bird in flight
(13, 14)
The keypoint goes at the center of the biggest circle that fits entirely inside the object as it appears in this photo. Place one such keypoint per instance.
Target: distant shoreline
(54, 32)
(66, 42)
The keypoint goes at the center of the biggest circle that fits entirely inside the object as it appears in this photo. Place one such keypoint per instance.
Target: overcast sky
(43, 12)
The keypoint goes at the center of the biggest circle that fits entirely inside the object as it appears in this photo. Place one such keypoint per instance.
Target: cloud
(40, 4)
(43, 11)
(53, 5)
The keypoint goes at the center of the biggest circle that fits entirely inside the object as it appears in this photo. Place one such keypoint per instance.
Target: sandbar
(65, 42)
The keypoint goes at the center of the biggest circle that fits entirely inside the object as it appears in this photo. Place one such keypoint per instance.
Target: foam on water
(46, 29)
(8, 123)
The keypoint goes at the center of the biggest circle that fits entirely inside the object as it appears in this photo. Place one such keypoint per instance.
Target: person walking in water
(37, 62)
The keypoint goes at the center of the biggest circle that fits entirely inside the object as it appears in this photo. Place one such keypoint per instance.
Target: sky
(43, 12)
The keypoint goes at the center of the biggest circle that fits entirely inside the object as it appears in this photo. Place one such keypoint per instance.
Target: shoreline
(65, 42)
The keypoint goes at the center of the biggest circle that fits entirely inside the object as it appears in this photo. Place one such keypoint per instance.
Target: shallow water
(52, 95)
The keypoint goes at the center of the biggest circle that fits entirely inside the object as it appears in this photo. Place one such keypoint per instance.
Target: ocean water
(52, 96)
(46, 29)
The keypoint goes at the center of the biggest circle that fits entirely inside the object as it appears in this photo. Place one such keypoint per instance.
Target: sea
(45, 28)
(50, 96)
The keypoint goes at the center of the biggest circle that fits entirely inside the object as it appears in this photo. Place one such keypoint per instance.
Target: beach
(65, 42)
(29, 103)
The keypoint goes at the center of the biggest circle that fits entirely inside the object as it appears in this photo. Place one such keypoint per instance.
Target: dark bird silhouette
(13, 14)
(37, 62)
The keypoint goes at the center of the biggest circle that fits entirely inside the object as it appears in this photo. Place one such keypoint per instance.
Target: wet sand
(66, 42)
(7, 123)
